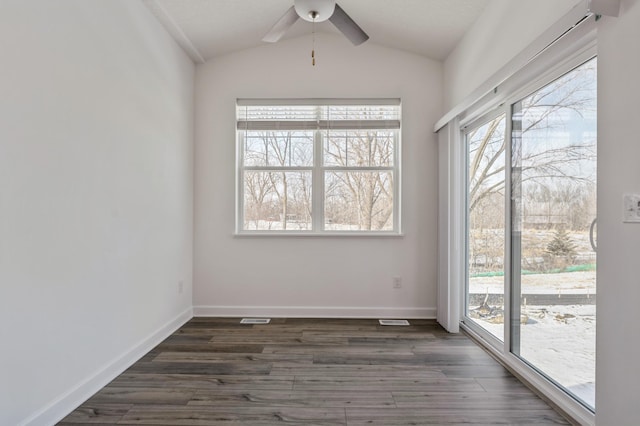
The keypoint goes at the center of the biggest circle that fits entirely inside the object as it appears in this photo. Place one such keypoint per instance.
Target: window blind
(376, 114)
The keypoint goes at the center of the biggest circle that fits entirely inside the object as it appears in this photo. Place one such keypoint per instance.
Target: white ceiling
(209, 28)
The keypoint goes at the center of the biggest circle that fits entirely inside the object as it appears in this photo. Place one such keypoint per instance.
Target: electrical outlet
(397, 282)
(180, 287)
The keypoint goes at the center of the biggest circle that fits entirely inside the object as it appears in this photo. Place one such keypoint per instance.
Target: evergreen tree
(561, 244)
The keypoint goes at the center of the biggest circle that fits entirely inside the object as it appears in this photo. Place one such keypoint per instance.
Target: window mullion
(317, 195)
(240, 149)
(508, 111)
(396, 181)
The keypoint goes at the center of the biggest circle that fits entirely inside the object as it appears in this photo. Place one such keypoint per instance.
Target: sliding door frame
(466, 321)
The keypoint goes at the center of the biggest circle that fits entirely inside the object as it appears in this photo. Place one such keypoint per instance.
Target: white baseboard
(62, 406)
(314, 312)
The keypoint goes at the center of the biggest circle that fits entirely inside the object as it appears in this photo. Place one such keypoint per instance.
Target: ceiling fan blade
(288, 19)
(347, 26)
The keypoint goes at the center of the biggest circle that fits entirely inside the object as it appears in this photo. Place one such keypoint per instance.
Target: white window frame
(318, 169)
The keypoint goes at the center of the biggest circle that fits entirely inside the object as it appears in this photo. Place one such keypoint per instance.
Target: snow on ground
(559, 340)
(569, 350)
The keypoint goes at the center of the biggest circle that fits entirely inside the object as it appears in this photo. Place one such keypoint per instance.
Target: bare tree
(551, 167)
(257, 188)
(573, 92)
(283, 195)
(363, 198)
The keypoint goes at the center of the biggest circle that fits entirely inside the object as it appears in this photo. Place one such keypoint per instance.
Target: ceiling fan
(317, 11)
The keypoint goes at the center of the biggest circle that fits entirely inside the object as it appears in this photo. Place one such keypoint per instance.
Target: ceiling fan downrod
(313, 15)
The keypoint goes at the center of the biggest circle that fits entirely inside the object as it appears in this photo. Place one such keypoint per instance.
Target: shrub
(561, 249)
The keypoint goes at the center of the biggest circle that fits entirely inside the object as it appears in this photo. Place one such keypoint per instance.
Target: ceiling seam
(186, 44)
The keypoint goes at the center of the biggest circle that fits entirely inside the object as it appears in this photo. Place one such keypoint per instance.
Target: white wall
(504, 28)
(96, 177)
(618, 348)
(315, 276)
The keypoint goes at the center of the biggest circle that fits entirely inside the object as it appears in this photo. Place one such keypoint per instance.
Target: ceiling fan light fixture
(317, 11)
(314, 10)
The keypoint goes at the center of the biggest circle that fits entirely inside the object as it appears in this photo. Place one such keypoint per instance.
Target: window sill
(246, 234)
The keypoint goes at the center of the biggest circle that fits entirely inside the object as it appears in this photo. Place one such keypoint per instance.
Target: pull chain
(313, 42)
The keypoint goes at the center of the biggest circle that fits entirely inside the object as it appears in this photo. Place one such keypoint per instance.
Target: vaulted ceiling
(209, 28)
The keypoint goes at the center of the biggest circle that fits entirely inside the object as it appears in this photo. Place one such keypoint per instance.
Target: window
(318, 167)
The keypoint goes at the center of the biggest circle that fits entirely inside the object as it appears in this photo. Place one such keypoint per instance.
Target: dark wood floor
(215, 371)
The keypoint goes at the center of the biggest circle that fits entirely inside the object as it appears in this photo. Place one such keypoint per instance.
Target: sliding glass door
(531, 214)
(553, 277)
(486, 145)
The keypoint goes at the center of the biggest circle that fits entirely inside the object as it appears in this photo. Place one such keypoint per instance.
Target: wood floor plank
(408, 340)
(212, 369)
(90, 413)
(187, 339)
(508, 385)
(151, 415)
(442, 417)
(186, 381)
(289, 359)
(331, 322)
(329, 370)
(436, 347)
(477, 371)
(319, 326)
(364, 384)
(210, 348)
(141, 395)
(205, 331)
(404, 357)
(310, 399)
(276, 339)
(376, 335)
(467, 401)
(343, 350)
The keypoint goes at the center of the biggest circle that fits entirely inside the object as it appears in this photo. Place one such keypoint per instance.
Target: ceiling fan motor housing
(315, 10)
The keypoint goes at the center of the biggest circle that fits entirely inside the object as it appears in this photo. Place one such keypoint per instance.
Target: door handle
(591, 240)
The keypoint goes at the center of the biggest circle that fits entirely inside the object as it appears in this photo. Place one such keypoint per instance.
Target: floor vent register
(255, 321)
(393, 322)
